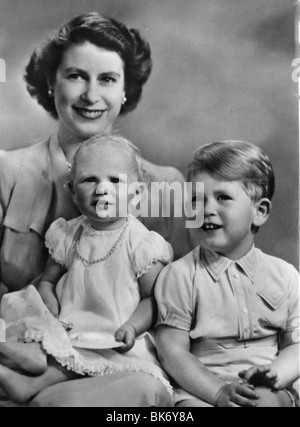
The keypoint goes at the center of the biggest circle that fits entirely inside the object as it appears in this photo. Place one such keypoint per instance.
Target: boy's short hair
(236, 161)
(112, 140)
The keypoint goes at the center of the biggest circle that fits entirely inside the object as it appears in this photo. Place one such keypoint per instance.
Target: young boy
(228, 326)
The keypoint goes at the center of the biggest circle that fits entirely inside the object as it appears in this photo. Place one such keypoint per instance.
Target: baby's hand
(237, 395)
(262, 376)
(126, 334)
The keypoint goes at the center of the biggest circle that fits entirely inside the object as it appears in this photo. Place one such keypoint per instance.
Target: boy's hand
(237, 395)
(127, 335)
(262, 376)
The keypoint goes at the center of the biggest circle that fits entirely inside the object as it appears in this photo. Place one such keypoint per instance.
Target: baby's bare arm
(144, 317)
(47, 286)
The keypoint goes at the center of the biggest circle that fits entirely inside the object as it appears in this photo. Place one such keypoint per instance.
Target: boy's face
(229, 216)
(97, 188)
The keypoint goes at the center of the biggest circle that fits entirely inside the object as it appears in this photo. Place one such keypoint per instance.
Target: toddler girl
(95, 303)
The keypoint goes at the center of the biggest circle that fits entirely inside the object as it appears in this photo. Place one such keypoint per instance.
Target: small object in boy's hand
(262, 376)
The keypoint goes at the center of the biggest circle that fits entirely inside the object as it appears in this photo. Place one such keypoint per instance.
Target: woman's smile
(89, 114)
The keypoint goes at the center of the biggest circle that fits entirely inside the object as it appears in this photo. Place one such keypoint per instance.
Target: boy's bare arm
(47, 286)
(173, 347)
(287, 363)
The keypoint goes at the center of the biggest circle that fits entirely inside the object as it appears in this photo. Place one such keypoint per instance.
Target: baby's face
(103, 176)
(228, 217)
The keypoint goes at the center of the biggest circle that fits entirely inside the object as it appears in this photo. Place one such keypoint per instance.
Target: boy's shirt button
(236, 275)
(245, 310)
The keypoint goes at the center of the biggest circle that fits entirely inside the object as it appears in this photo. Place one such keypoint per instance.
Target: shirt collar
(217, 264)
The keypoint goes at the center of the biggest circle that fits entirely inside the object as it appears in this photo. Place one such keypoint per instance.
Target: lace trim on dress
(105, 367)
(102, 362)
(53, 253)
(146, 269)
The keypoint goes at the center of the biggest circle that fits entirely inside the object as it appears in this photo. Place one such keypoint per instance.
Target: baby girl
(95, 302)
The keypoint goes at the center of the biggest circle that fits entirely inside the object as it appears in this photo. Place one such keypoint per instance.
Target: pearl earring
(124, 100)
(50, 93)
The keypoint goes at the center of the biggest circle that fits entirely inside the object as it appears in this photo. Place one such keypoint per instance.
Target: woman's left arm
(144, 317)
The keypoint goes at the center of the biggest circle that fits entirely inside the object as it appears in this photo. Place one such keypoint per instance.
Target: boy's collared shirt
(228, 306)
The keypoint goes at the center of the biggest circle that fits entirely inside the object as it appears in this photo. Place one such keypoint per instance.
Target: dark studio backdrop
(222, 70)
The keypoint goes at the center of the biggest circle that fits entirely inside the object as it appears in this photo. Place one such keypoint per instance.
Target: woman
(85, 76)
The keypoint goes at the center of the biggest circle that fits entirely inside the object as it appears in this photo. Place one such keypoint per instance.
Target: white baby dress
(97, 299)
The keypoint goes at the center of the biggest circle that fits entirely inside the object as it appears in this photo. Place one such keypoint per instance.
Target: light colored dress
(97, 299)
(33, 196)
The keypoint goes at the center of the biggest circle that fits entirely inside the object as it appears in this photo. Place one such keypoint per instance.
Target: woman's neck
(70, 142)
(69, 145)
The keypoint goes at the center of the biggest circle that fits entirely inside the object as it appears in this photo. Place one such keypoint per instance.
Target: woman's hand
(127, 335)
(237, 395)
(263, 376)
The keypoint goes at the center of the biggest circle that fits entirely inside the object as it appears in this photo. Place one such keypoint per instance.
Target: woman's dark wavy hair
(103, 32)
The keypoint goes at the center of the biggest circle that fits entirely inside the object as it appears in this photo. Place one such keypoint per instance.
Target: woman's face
(89, 89)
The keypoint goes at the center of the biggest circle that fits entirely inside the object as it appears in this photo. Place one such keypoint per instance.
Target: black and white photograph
(149, 205)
